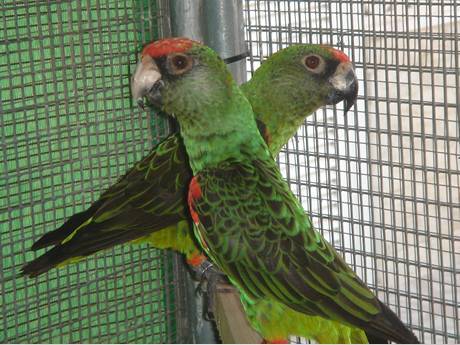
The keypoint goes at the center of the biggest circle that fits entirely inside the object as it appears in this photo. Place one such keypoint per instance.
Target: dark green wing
(149, 197)
(257, 232)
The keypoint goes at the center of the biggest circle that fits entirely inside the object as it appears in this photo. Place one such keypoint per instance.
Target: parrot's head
(305, 77)
(180, 76)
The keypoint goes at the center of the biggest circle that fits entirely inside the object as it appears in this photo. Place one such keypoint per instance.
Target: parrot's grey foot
(216, 282)
(210, 278)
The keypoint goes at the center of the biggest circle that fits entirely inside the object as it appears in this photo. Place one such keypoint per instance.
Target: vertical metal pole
(224, 32)
(164, 22)
(217, 23)
(187, 19)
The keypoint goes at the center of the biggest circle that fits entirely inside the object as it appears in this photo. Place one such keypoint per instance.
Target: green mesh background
(69, 130)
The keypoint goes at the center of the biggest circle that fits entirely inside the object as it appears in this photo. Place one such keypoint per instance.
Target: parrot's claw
(201, 273)
(214, 281)
(209, 278)
(140, 103)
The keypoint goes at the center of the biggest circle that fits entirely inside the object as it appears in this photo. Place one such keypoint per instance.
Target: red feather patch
(196, 260)
(194, 193)
(338, 54)
(167, 46)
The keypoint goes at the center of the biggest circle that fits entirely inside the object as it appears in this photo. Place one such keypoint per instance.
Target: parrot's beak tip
(348, 106)
(344, 86)
(140, 103)
(350, 99)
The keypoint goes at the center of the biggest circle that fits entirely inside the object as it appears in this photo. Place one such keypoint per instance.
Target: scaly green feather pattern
(253, 227)
(262, 238)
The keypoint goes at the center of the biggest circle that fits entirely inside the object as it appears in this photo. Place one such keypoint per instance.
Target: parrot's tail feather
(57, 236)
(40, 265)
(65, 253)
(387, 324)
(84, 243)
(68, 252)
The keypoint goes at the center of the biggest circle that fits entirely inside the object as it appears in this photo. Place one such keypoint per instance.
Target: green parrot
(245, 217)
(148, 204)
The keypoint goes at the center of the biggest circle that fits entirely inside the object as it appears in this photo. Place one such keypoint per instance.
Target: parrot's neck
(222, 132)
(279, 132)
(280, 109)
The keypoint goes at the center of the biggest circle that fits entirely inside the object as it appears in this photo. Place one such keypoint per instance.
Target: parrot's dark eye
(313, 63)
(179, 63)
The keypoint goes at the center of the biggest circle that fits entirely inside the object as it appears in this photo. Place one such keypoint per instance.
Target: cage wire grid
(69, 130)
(382, 183)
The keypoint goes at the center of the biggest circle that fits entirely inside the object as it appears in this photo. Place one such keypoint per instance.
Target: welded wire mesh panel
(69, 130)
(383, 182)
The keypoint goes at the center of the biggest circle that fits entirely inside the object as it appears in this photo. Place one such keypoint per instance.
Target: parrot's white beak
(146, 81)
(345, 85)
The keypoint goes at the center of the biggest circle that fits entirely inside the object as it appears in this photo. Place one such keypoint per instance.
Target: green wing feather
(150, 197)
(256, 231)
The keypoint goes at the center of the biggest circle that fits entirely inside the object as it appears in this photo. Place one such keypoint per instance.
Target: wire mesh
(69, 131)
(383, 182)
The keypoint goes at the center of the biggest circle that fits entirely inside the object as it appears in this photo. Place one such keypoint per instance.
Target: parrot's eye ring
(313, 63)
(179, 63)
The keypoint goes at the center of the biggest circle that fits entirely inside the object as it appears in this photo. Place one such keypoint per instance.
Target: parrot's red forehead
(167, 46)
(338, 54)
